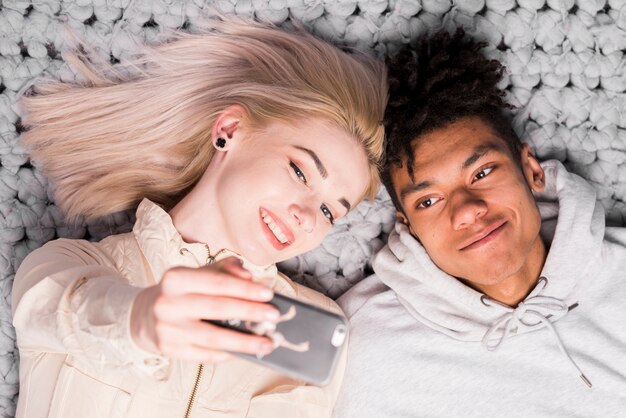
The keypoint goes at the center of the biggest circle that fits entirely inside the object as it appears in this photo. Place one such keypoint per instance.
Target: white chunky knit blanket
(566, 72)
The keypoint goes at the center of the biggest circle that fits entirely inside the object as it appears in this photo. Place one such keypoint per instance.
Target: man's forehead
(455, 145)
(429, 157)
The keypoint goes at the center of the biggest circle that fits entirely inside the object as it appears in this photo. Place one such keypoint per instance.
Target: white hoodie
(425, 344)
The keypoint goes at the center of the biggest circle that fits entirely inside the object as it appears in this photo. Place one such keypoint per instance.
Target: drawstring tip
(584, 378)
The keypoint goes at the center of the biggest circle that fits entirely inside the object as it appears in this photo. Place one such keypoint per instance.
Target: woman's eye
(298, 172)
(426, 203)
(327, 214)
(483, 173)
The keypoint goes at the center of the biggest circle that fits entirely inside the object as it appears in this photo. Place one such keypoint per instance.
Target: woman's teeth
(280, 236)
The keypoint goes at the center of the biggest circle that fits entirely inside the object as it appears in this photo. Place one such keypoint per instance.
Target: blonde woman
(241, 146)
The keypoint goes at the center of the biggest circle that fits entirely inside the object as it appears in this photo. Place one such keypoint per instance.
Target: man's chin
(486, 274)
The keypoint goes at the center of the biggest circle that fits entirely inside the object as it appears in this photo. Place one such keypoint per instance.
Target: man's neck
(514, 289)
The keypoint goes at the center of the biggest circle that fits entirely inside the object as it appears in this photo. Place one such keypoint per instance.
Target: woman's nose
(304, 216)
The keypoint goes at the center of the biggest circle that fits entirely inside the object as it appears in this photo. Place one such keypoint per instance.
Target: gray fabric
(416, 333)
(566, 70)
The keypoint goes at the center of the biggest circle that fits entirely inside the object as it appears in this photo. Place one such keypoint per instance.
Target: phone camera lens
(339, 336)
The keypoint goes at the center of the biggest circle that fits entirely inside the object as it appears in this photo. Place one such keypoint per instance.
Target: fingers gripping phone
(309, 339)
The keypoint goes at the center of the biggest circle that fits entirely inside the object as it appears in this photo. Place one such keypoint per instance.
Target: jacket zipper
(194, 391)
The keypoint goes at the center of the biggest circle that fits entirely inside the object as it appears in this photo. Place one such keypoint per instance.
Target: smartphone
(311, 339)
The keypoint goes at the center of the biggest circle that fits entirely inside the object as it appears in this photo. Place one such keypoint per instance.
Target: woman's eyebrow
(344, 202)
(323, 172)
(318, 163)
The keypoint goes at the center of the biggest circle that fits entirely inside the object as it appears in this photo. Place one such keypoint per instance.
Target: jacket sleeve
(69, 298)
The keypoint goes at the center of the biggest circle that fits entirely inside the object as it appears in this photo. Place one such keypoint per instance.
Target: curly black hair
(445, 78)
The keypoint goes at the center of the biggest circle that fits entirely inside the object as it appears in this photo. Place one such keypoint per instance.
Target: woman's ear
(533, 173)
(227, 129)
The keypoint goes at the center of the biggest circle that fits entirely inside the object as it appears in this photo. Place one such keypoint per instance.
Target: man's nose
(466, 208)
(304, 214)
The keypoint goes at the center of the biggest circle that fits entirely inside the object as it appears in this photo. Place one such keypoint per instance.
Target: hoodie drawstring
(538, 307)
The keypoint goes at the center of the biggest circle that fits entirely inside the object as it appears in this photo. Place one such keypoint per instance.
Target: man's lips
(484, 236)
(282, 229)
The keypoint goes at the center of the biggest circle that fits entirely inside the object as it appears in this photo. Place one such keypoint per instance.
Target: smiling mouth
(280, 236)
(487, 235)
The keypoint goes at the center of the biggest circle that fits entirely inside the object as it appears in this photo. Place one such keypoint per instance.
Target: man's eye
(483, 173)
(298, 172)
(426, 203)
(328, 214)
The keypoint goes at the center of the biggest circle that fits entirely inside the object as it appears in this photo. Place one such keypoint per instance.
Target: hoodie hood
(573, 229)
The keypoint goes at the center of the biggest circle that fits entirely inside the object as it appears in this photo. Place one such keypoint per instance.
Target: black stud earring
(220, 142)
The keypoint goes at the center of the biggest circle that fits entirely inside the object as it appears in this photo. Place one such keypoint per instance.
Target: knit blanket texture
(566, 76)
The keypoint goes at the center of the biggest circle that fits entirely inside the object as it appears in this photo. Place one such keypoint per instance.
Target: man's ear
(533, 173)
(227, 129)
(402, 218)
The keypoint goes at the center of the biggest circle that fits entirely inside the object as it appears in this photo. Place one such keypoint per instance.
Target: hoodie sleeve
(69, 298)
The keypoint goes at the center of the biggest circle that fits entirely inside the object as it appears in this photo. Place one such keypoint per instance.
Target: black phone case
(326, 333)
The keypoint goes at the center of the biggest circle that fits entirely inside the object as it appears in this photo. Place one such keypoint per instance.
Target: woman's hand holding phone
(167, 318)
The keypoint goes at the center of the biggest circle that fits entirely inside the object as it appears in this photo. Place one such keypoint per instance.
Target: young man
(501, 293)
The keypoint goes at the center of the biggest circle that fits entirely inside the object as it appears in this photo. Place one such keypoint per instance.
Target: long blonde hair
(143, 128)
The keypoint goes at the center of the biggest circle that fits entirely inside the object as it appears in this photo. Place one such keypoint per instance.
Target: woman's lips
(483, 237)
(277, 233)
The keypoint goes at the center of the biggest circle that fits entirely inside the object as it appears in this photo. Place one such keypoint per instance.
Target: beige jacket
(71, 304)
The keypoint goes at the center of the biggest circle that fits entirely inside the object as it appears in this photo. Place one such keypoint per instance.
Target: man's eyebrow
(478, 153)
(318, 163)
(412, 188)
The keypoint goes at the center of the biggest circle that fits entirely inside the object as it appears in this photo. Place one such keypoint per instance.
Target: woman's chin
(262, 256)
